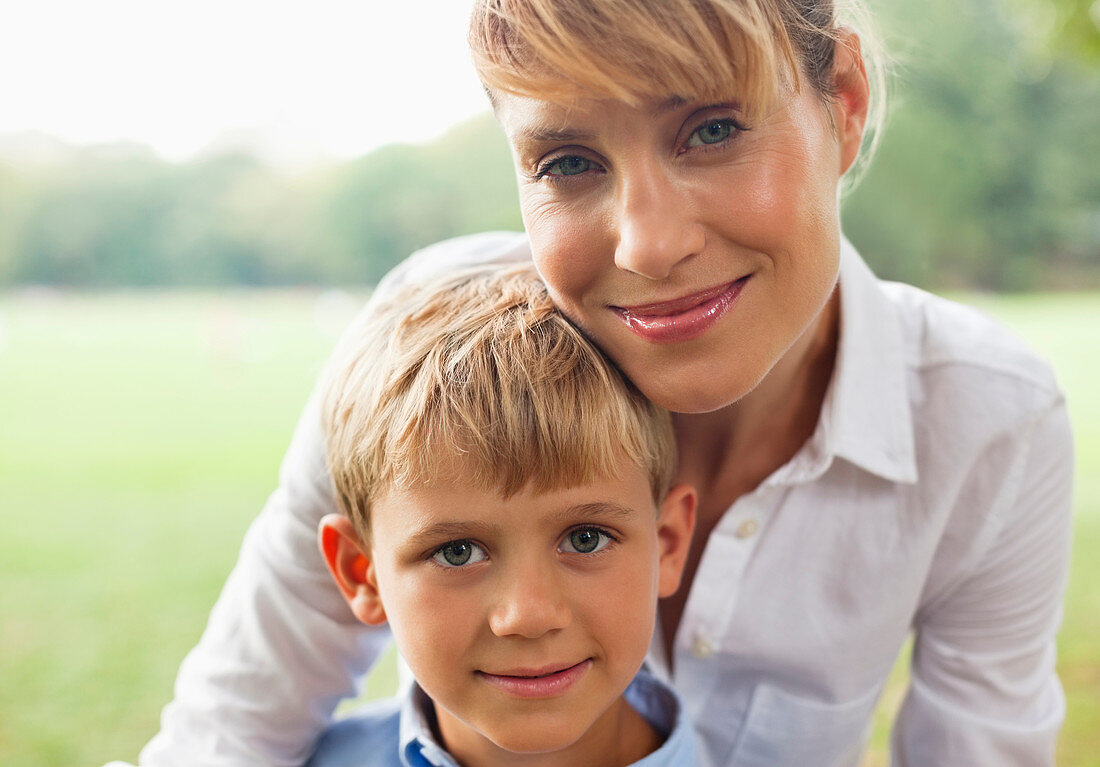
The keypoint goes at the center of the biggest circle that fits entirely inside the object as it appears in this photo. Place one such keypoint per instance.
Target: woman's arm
(281, 647)
(984, 689)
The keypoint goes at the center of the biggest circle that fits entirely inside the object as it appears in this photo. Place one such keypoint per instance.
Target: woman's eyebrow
(675, 102)
(672, 102)
(556, 135)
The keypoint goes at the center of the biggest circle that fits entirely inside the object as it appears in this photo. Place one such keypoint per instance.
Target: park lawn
(141, 432)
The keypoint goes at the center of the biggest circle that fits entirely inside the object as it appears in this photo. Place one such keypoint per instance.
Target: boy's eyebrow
(438, 530)
(444, 530)
(598, 509)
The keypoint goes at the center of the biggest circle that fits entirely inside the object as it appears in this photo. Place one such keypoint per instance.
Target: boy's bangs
(546, 453)
(479, 379)
(524, 402)
(633, 52)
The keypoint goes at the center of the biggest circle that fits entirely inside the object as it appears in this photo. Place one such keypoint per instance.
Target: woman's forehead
(530, 120)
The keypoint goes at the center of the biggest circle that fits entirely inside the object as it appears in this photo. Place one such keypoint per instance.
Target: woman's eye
(585, 540)
(567, 166)
(459, 553)
(712, 133)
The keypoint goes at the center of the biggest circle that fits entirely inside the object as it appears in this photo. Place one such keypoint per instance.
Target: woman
(870, 460)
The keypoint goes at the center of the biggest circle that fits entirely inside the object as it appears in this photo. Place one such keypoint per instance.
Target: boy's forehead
(449, 501)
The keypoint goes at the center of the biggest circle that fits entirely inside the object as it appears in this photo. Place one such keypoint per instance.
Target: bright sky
(318, 78)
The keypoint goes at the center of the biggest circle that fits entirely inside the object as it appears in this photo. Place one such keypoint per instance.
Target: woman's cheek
(567, 251)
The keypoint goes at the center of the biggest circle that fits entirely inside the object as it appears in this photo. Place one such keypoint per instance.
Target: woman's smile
(684, 318)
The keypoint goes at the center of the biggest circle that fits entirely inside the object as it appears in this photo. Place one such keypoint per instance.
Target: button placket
(709, 611)
(747, 529)
(702, 647)
(723, 562)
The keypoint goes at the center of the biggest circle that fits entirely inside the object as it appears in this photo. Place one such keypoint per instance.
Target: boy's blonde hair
(479, 377)
(639, 50)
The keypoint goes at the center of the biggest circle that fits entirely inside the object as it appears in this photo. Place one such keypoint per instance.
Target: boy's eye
(459, 553)
(585, 540)
(713, 132)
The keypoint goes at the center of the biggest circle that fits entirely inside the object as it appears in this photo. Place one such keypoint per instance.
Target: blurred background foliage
(988, 177)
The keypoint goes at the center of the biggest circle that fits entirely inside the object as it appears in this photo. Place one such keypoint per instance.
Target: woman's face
(694, 248)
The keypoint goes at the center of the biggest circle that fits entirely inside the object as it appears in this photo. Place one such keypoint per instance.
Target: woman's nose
(657, 222)
(530, 604)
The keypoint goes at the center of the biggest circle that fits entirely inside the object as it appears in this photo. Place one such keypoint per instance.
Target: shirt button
(748, 528)
(701, 647)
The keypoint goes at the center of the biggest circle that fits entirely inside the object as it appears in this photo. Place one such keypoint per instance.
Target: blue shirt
(396, 732)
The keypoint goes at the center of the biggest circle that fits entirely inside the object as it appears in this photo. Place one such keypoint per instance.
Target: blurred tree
(1072, 26)
(94, 221)
(401, 198)
(986, 175)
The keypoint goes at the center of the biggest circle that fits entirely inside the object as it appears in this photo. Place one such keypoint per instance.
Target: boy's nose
(656, 221)
(529, 605)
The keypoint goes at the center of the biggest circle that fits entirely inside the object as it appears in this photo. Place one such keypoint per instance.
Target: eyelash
(736, 129)
(542, 172)
(438, 551)
(612, 539)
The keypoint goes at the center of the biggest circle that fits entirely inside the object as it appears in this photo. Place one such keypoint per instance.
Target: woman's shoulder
(947, 339)
(467, 250)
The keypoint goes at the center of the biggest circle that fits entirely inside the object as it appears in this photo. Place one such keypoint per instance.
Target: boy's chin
(542, 734)
(541, 739)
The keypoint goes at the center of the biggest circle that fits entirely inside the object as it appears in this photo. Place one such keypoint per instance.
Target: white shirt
(933, 497)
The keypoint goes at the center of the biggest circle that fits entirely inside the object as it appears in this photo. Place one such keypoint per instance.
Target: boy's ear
(674, 529)
(352, 568)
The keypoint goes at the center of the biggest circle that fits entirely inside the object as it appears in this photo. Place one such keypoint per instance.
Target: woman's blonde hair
(480, 378)
(636, 50)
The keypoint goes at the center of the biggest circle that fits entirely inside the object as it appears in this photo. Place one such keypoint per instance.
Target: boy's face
(523, 618)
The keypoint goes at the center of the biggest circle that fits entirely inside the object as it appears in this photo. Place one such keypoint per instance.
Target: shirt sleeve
(281, 647)
(983, 686)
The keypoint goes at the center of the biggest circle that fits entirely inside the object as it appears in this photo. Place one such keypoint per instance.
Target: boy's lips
(544, 682)
(682, 318)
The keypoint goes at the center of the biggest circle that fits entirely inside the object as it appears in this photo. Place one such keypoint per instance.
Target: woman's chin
(695, 395)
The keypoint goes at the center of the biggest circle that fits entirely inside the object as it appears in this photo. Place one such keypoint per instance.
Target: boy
(506, 509)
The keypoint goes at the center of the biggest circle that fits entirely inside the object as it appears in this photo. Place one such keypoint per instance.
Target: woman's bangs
(673, 50)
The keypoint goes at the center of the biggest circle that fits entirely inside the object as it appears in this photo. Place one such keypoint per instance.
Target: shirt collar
(663, 708)
(417, 745)
(650, 697)
(866, 411)
(865, 417)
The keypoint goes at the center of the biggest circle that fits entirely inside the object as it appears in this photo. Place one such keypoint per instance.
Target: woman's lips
(538, 683)
(682, 318)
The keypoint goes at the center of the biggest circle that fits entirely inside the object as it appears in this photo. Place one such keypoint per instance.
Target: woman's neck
(728, 452)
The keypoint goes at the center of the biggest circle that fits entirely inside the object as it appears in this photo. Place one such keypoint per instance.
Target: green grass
(141, 433)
